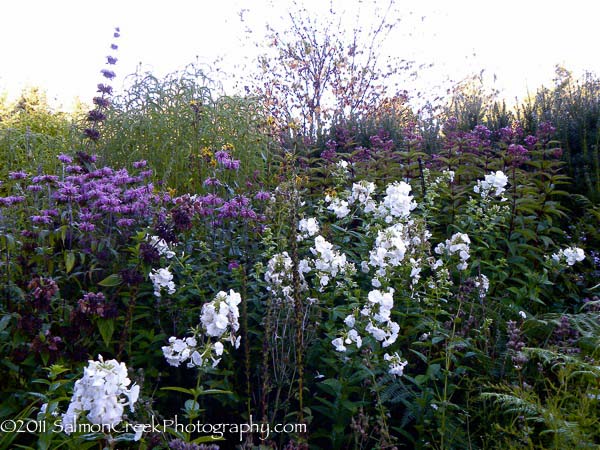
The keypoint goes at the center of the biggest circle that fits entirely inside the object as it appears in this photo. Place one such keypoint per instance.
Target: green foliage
(177, 123)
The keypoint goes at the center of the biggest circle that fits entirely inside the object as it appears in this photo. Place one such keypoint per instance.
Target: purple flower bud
(530, 141)
(140, 164)
(66, 159)
(262, 196)
(95, 115)
(222, 156)
(105, 89)
(46, 220)
(108, 74)
(92, 134)
(212, 182)
(20, 175)
(86, 226)
(101, 102)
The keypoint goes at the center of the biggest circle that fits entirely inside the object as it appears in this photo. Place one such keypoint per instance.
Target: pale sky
(61, 45)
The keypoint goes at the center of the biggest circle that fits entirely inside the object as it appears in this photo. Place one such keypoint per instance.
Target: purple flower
(105, 89)
(482, 132)
(262, 196)
(50, 212)
(66, 159)
(114, 46)
(108, 74)
(222, 156)
(111, 60)
(86, 226)
(212, 182)
(73, 169)
(34, 188)
(233, 265)
(95, 115)
(140, 164)
(381, 141)
(231, 164)
(46, 220)
(125, 222)
(450, 125)
(19, 175)
(545, 131)
(517, 150)
(101, 102)
(92, 134)
(45, 179)
(530, 141)
(66, 191)
(330, 150)
(506, 134)
(361, 154)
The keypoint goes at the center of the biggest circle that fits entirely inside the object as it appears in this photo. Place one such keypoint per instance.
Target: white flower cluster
(350, 337)
(377, 313)
(307, 228)
(181, 350)
(483, 284)
(457, 244)
(328, 262)
(492, 181)
(396, 364)
(220, 319)
(569, 256)
(280, 279)
(390, 247)
(221, 313)
(361, 194)
(162, 247)
(338, 206)
(103, 392)
(162, 278)
(342, 167)
(394, 245)
(397, 203)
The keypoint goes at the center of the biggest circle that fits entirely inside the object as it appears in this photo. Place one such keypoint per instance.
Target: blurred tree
(318, 72)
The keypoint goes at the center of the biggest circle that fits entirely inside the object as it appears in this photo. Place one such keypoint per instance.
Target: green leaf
(178, 389)
(69, 261)
(111, 280)
(106, 328)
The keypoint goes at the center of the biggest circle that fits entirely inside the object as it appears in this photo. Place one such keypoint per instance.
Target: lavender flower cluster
(97, 197)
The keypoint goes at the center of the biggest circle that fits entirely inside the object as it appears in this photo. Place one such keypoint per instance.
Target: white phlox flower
(398, 202)
(221, 313)
(459, 244)
(103, 392)
(361, 194)
(280, 279)
(307, 228)
(338, 206)
(179, 350)
(396, 364)
(162, 247)
(328, 262)
(569, 256)
(483, 284)
(389, 250)
(494, 181)
(162, 278)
